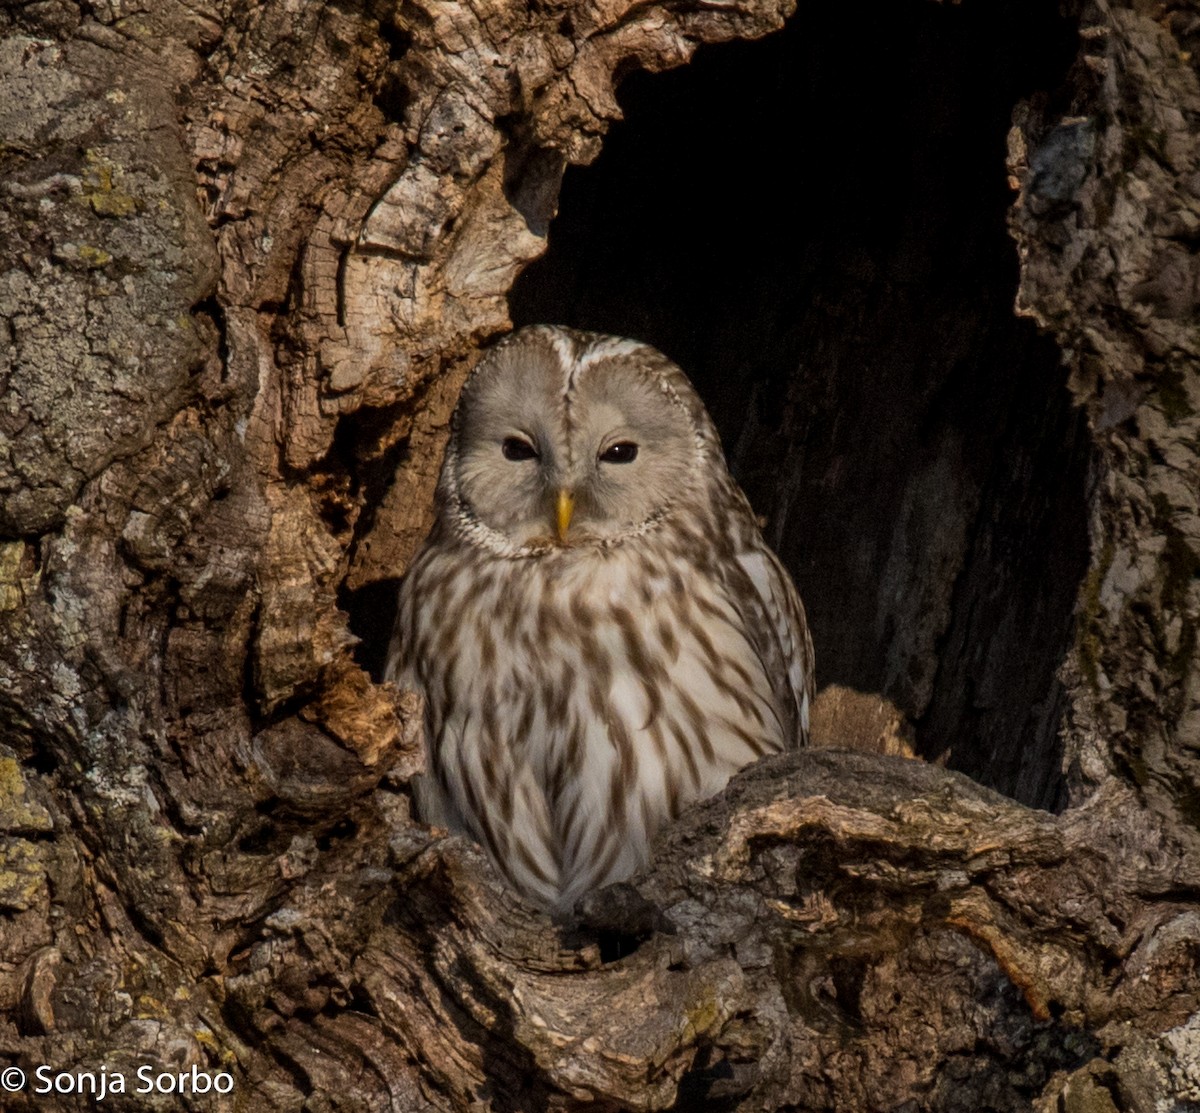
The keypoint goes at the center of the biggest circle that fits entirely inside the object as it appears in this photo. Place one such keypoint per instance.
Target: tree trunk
(249, 253)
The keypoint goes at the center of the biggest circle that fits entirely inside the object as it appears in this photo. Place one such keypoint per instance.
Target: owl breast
(577, 700)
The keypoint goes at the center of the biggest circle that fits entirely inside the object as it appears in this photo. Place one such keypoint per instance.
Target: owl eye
(517, 448)
(623, 452)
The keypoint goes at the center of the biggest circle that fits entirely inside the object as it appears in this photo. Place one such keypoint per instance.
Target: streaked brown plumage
(600, 633)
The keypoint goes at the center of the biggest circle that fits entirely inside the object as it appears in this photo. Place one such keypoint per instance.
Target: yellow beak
(564, 508)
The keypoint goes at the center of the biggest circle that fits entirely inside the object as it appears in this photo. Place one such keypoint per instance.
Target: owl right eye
(517, 448)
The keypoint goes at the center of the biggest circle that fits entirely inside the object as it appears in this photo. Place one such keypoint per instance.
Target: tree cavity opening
(814, 227)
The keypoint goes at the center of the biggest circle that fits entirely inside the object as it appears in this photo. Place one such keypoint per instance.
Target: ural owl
(600, 634)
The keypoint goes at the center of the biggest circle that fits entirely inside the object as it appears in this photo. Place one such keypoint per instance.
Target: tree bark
(249, 253)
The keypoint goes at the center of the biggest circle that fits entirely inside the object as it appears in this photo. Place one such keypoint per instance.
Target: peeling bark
(249, 253)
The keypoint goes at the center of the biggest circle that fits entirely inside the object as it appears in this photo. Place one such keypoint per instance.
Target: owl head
(565, 438)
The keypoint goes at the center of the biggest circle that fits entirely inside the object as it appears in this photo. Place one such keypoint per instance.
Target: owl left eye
(517, 448)
(623, 452)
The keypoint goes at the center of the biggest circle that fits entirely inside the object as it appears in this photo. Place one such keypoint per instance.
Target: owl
(598, 630)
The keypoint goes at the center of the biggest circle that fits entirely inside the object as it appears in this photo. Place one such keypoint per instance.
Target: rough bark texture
(247, 253)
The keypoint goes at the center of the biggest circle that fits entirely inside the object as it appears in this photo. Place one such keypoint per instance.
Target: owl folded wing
(781, 638)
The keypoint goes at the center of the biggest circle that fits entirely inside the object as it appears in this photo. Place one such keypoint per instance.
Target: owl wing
(780, 636)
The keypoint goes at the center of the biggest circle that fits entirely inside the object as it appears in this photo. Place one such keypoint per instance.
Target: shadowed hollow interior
(813, 227)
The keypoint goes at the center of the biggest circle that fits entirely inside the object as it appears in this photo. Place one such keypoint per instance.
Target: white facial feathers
(595, 418)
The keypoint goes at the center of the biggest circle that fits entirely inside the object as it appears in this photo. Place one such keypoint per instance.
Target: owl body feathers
(581, 690)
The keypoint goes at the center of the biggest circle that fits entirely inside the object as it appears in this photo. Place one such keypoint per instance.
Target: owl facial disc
(570, 440)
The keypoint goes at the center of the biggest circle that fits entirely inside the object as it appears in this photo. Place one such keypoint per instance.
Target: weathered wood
(247, 254)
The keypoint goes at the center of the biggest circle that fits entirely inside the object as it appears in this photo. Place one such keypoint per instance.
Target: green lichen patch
(22, 874)
(17, 812)
(84, 256)
(102, 187)
(94, 256)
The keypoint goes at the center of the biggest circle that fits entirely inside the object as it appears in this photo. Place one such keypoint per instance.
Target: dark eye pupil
(514, 448)
(623, 452)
